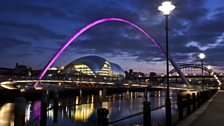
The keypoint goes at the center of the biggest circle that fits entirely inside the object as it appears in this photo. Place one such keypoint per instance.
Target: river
(85, 112)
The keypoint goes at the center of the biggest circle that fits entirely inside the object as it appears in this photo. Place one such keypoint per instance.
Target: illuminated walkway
(210, 114)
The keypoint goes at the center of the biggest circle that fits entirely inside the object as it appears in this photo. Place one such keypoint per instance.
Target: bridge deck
(210, 114)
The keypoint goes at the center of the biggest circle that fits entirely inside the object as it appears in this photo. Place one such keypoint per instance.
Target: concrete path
(209, 114)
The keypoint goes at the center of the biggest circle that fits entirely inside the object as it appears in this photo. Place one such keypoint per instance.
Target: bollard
(43, 116)
(188, 104)
(194, 101)
(146, 113)
(102, 117)
(180, 106)
(20, 104)
(55, 109)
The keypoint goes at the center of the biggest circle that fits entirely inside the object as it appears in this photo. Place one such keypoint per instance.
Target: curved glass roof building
(95, 66)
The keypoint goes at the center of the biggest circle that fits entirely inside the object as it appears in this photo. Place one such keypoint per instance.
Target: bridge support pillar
(20, 106)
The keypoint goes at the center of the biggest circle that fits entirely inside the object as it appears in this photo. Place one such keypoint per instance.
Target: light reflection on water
(6, 114)
(119, 105)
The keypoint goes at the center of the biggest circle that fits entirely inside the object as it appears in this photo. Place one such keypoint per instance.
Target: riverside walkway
(210, 114)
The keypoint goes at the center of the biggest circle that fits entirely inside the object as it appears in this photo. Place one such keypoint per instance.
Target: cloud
(32, 31)
(193, 27)
(218, 42)
(13, 49)
(11, 42)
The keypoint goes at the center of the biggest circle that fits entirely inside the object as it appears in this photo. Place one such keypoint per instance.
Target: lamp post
(166, 8)
(202, 57)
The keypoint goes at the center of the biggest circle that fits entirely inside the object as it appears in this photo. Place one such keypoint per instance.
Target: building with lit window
(94, 66)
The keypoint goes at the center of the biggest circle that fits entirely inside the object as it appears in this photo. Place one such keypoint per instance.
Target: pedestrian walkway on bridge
(209, 114)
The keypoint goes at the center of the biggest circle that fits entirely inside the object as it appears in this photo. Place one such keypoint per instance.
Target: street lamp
(166, 8)
(209, 68)
(202, 57)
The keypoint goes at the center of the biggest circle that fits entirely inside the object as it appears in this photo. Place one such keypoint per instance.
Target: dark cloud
(10, 42)
(46, 27)
(33, 10)
(192, 22)
(33, 31)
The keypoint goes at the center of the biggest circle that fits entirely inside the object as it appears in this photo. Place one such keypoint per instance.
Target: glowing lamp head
(166, 7)
(201, 56)
(209, 67)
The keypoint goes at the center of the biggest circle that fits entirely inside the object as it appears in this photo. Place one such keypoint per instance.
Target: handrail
(139, 113)
(135, 114)
(126, 117)
(158, 108)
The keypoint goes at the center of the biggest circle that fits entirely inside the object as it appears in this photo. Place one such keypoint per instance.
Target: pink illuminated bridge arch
(82, 31)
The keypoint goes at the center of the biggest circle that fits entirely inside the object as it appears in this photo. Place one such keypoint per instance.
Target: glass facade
(94, 66)
(82, 68)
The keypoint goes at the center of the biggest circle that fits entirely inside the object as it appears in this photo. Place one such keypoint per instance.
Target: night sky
(31, 32)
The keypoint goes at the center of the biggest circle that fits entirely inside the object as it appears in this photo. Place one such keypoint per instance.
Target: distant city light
(53, 68)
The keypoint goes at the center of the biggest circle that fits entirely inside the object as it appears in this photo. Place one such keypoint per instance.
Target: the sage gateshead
(94, 67)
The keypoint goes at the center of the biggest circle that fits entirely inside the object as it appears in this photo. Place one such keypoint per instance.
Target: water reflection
(81, 111)
(37, 106)
(28, 111)
(6, 114)
(119, 105)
